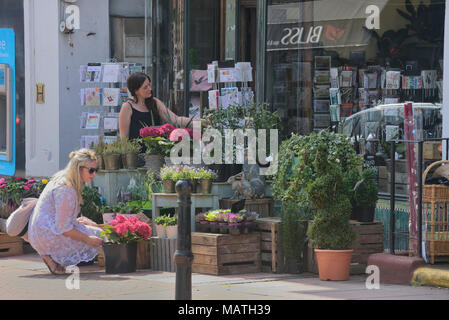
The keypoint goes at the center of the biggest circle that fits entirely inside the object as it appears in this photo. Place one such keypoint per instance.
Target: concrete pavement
(26, 277)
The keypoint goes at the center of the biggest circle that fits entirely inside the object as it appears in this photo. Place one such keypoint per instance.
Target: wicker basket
(436, 216)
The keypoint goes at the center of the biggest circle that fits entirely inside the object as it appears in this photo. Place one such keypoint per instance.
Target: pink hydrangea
(151, 131)
(167, 129)
(178, 134)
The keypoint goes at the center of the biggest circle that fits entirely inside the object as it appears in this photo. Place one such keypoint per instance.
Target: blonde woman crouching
(54, 231)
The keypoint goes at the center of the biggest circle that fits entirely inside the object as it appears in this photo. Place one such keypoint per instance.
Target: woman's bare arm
(174, 119)
(93, 241)
(124, 120)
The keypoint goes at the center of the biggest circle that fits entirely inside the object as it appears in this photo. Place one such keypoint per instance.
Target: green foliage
(92, 207)
(99, 147)
(362, 189)
(292, 230)
(113, 147)
(157, 145)
(299, 164)
(121, 207)
(166, 220)
(130, 146)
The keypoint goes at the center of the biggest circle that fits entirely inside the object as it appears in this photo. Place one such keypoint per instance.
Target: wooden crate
(10, 246)
(264, 207)
(272, 258)
(369, 239)
(143, 255)
(162, 254)
(222, 254)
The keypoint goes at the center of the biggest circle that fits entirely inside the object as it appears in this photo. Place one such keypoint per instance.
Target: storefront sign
(324, 34)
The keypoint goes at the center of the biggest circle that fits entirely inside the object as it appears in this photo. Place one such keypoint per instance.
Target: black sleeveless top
(141, 119)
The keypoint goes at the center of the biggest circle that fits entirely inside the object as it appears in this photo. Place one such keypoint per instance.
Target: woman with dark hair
(144, 109)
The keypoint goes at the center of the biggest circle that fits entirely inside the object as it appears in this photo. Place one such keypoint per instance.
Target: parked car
(371, 129)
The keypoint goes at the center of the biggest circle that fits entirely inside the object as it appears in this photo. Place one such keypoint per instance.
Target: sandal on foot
(54, 267)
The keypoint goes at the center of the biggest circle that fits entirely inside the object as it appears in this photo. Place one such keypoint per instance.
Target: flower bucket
(161, 231)
(172, 231)
(333, 264)
(130, 160)
(169, 186)
(120, 258)
(100, 162)
(154, 162)
(205, 186)
(112, 162)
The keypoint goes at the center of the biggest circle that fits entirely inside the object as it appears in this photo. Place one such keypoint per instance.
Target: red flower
(121, 229)
(3, 186)
(167, 129)
(26, 187)
(19, 178)
(120, 218)
(151, 131)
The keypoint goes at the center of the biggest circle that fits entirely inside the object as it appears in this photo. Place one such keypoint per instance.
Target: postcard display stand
(321, 89)
(229, 84)
(104, 91)
(353, 89)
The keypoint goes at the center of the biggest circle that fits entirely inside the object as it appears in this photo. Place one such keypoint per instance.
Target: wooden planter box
(143, 255)
(369, 239)
(10, 246)
(223, 254)
(272, 258)
(264, 207)
(225, 229)
(162, 254)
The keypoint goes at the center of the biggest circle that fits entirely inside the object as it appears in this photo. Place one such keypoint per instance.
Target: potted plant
(130, 151)
(363, 192)
(157, 144)
(99, 152)
(205, 177)
(168, 182)
(186, 172)
(120, 251)
(112, 155)
(311, 175)
(166, 226)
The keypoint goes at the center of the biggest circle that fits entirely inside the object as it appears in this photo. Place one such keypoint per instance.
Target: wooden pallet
(162, 254)
(369, 239)
(272, 258)
(223, 254)
(10, 246)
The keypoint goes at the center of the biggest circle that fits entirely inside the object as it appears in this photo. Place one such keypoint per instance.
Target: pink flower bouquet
(122, 230)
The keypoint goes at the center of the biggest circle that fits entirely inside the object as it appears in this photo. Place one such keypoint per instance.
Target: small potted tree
(99, 152)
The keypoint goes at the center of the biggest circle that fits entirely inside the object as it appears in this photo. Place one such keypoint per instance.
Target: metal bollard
(183, 255)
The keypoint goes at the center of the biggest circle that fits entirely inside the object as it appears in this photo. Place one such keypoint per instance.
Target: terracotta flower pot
(172, 231)
(333, 264)
(130, 160)
(112, 161)
(161, 231)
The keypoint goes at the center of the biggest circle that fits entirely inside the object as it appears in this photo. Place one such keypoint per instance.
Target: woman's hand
(94, 241)
(86, 221)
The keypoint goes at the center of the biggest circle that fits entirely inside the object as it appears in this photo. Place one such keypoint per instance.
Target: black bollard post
(183, 254)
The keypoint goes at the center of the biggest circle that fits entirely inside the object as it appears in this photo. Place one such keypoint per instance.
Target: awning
(319, 24)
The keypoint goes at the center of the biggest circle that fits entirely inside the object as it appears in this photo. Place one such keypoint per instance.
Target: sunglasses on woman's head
(91, 170)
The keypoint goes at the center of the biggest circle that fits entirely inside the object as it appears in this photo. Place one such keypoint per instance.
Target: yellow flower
(44, 181)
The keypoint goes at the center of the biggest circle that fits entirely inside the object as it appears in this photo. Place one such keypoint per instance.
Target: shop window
(326, 62)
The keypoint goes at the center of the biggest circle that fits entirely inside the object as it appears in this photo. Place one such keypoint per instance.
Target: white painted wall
(52, 58)
(42, 66)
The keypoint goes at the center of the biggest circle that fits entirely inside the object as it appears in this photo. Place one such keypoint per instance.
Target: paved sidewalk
(27, 277)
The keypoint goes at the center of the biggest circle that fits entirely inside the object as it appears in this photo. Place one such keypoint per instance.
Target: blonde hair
(70, 175)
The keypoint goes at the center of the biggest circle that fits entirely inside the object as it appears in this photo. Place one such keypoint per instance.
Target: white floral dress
(55, 213)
